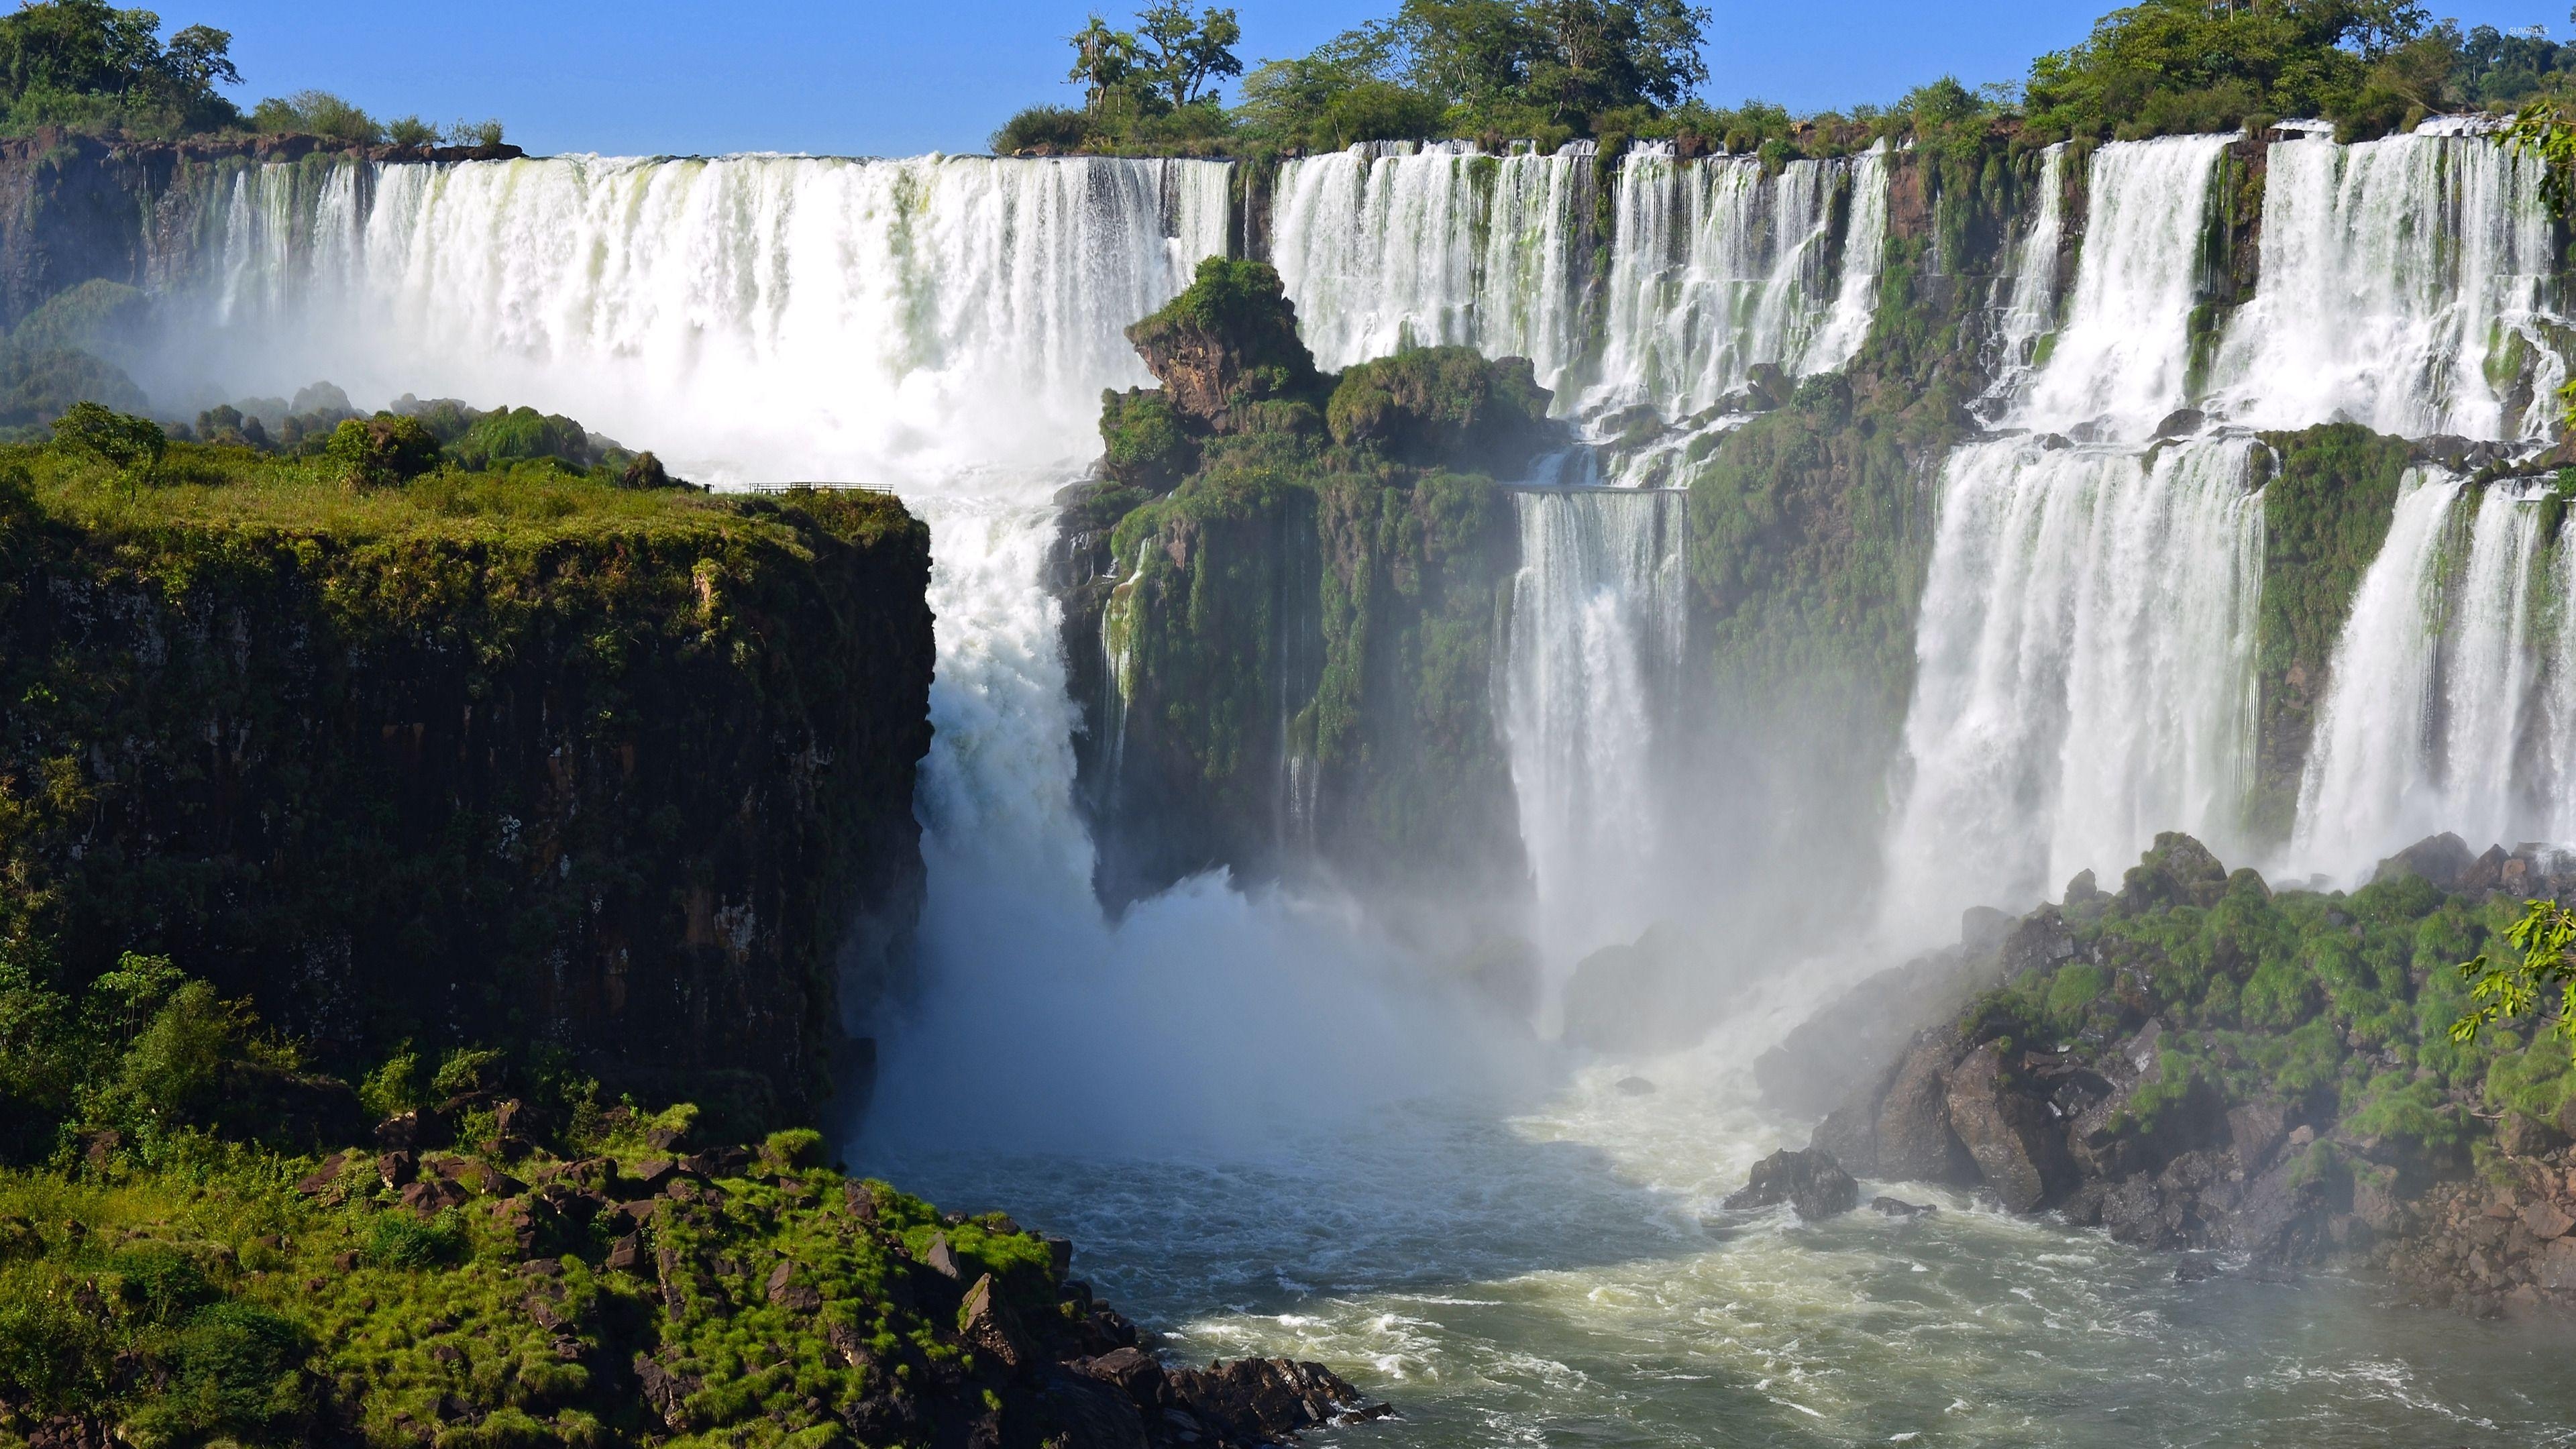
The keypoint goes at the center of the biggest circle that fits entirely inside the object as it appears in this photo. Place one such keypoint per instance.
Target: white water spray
(1597, 635)
(2122, 361)
(2406, 283)
(1388, 246)
(2084, 670)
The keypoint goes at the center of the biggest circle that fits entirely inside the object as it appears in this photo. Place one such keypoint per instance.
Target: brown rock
(987, 1322)
(1811, 1182)
(626, 1255)
(2017, 1145)
(2257, 1130)
(397, 1168)
(785, 1292)
(861, 1202)
(1915, 1143)
(2558, 1265)
(2544, 1220)
(320, 1179)
(942, 1260)
(654, 1171)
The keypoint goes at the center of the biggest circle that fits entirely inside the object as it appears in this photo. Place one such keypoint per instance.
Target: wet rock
(988, 1323)
(1898, 1208)
(2176, 871)
(2018, 1148)
(1915, 1141)
(1982, 929)
(1813, 1185)
(2256, 1130)
(2182, 423)
(2037, 942)
(1849, 1134)
(1090, 1413)
(1133, 1371)
(1265, 1400)
(2440, 859)
(1635, 1087)
(2195, 1268)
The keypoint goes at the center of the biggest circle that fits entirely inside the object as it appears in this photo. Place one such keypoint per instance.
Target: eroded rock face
(1813, 1185)
(1914, 1137)
(2019, 1149)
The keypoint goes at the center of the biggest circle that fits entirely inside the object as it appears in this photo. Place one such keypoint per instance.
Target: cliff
(514, 757)
(1282, 606)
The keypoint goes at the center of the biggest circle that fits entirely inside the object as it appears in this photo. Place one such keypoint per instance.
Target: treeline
(1552, 71)
(86, 66)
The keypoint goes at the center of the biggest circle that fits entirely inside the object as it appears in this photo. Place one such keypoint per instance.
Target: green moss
(2325, 514)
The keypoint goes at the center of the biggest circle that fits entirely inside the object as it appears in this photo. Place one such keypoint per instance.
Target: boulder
(1092, 1414)
(2256, 1130)
(1898, 1208)
(2441, 860)
(986, 1321)
(942, 1259)
(2018, 1146)
(1849, 1134)
(1268, 1400)
(1915, 1143)
(1848, 1052)
(2176, 871)
(783, 1291)
(1813, 1185)
(1982, 928)
(2037, 942)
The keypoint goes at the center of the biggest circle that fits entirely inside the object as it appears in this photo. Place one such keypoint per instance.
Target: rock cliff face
(1282, 606)
(635, 784)
(2193, 1062)
(75, 208)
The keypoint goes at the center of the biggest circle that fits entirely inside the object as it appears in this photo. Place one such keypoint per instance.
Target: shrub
(411, 131)
(1042, 129)
(240, 1368)
(127, 443)
(484, 133)
(522, 434)
(383, 450)
(399, 1240)
(317, 113)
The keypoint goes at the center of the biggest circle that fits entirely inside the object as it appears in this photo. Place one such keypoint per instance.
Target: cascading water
(767, 314)
(2121, 363)
(2446, 708)
(1720, 264)
(1596, 638)
(2084, 668)
(2407, 284)
(2368, 779)
(1387, 246)
(2029, 309)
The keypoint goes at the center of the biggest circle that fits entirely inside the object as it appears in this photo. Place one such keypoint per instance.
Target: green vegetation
(2544, 942)
(1307, 568)
(86, 66)
(488, 743)
(527, 1265)
(2344, 1007)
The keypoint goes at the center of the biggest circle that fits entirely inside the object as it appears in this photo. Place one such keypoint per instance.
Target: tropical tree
(1102, 60)
(1182, 53)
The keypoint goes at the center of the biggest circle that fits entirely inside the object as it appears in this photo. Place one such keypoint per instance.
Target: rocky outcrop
(1283, 631)
(1813, 1185)
(635, 786)
(2162, 1063)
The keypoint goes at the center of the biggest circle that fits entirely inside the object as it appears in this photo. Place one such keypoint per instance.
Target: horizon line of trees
(1550, 71)
(87, 66)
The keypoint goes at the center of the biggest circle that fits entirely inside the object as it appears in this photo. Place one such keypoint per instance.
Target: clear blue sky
(893, 77)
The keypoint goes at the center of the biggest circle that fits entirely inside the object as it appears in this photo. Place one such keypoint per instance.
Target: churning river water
(1564, 1275)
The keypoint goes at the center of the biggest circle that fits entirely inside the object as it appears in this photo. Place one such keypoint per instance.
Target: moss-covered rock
(1444, 406)
(520, 754)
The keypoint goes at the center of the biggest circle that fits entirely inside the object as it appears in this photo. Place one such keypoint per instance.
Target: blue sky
(877, 78)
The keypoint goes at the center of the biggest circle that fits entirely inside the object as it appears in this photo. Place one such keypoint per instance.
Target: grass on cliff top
(228, 488)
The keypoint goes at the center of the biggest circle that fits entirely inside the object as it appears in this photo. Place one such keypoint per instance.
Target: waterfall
(2369, 779)
(1595, 647)
(2446, 709)
(885, 320)
(2555, 771)
(1719, 265)
(2122, 361)
(2030, 308)
(2405, 283)
(1387, 246)
(2084, 668)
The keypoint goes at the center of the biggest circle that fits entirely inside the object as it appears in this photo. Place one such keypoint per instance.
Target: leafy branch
(2545, 937)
